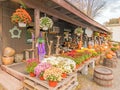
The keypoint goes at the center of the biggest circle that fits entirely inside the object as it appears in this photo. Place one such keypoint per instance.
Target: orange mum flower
(21, 15)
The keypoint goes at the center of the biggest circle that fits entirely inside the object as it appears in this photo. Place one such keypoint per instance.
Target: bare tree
(90, 7)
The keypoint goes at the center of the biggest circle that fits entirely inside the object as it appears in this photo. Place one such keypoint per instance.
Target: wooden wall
(0, 31)
(18, 44)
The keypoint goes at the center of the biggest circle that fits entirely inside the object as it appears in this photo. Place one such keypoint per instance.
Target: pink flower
(41, 67)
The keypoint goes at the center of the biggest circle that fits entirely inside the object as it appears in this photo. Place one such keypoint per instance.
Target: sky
(111, 10)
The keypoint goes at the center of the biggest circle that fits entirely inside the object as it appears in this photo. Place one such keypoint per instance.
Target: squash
(109, 56)
(90, 46)
(8, 51)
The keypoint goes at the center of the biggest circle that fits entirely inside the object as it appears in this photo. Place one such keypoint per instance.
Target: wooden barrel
(103, 76)
(112, 63)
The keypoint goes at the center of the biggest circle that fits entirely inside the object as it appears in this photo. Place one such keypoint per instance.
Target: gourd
(109, 56)
(8, 51)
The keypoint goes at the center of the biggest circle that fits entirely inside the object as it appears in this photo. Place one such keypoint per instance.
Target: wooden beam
(70, 8)
(37, 28)
(37, 22)
(1, 31)
(55, 7)
(54, 13)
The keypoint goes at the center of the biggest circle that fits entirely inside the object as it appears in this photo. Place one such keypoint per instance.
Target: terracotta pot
(41, 78)
(77, 66)
(53, 83)
(32, 74)
(7, 60)
(8, 51)
(64, 75)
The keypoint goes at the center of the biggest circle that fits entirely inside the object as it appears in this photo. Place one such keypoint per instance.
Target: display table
(33, 83)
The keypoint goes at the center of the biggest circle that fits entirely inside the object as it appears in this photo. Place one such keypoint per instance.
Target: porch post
(0, 32)
(37, 28)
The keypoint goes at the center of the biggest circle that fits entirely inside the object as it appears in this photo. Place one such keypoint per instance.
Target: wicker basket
(7, 60)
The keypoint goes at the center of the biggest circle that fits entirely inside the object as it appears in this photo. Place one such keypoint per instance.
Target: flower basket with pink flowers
(31, 64)
(40, 68)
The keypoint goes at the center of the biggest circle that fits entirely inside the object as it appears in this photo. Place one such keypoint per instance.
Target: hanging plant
(78, 31)
(46, 23)
(96, 34)
(21, 15)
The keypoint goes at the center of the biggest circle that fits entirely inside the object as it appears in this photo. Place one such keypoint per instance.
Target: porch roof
(64, 10)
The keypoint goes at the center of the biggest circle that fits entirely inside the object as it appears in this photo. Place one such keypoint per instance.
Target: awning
(63, 10)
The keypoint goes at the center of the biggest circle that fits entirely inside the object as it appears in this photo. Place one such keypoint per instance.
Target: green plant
(42, 73)
(31, 64)
(46, 23)
(115, 45)
(52, 78)
(114, 49)
(96, 34)
(78, 31)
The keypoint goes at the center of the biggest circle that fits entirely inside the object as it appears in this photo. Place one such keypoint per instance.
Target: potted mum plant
(46, 23)
(21, 17)
(40, 68)
(53, 75)
(31, 64)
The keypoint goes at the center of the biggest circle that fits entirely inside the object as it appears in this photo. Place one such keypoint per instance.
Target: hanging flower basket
(46, 23)
(21, 16)
(78, 31)
(96, 34)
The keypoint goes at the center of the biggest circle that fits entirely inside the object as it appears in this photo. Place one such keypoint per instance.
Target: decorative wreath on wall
(15, 32)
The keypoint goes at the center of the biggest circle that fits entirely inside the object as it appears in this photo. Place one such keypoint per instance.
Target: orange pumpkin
(90, 46)
(111, 52)
(109, 56)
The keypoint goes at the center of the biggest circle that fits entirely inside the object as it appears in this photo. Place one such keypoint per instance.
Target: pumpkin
(8, 51)
(109, 56)
(111, 52)
(90, 46)
(80, 45)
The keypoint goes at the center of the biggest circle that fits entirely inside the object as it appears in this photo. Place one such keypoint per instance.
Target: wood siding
(18, 44)
(0, 31)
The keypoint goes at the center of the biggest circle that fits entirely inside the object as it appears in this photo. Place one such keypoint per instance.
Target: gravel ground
(86, 81)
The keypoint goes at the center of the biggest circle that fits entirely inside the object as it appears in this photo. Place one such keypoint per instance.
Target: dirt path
(87, 83)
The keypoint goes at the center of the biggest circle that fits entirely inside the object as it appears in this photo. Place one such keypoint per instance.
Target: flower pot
(78, 65)
(64, 75)
(53, 83)
(41, 78)
(32, 74)
(7, 60)
(22, 24)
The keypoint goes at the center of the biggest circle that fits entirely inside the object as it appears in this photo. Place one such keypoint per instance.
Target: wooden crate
(68, 83)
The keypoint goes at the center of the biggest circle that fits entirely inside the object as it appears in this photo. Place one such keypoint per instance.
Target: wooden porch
(9, 82)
